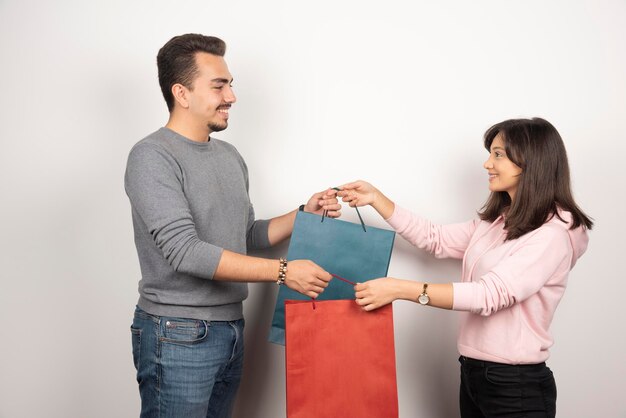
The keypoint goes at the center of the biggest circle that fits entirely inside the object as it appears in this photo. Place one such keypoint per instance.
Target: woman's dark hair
(536, 147)
(176, 61)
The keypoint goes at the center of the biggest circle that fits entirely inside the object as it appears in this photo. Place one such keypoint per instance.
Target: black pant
(490, 390)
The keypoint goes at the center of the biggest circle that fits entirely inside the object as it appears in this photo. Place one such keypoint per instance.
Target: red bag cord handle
(342, 279)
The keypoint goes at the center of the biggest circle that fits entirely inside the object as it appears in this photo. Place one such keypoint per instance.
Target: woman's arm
(440, 240)
(374, 294)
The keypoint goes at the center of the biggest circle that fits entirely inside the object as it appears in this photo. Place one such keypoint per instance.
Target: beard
(215, 127)
(218, 124)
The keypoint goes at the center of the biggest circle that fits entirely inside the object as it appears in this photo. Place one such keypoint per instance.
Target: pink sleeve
(441, 240)
(544, 255)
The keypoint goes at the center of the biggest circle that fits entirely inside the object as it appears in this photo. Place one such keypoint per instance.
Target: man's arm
(303, 276)
(156, 195)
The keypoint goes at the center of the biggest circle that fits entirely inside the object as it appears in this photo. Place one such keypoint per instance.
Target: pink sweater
(510, 289)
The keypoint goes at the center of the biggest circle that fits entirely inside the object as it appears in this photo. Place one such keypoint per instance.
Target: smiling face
(503, 173)
(211, 95)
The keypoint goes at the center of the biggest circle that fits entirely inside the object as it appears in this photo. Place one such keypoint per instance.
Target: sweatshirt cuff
(463, 296)
(201, 260)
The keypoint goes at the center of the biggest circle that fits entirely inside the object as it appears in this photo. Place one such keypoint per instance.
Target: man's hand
(306, 277)
(326, 200)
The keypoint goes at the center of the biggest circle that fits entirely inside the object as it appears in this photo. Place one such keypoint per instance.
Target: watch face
(423, 299)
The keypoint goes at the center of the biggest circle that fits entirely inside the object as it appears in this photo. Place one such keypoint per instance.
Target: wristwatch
(423, 299)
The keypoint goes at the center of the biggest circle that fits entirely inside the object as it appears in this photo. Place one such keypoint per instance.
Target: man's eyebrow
(222, 80)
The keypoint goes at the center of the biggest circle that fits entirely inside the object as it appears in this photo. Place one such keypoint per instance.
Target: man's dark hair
(176, 61)
(536, 147)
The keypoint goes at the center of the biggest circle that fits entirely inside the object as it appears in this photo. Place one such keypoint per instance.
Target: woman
(516, 260)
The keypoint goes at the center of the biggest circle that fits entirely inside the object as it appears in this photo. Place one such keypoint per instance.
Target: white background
(398, 93)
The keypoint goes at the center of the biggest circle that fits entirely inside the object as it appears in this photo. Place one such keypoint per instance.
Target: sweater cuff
(201, 260)
(463, 296)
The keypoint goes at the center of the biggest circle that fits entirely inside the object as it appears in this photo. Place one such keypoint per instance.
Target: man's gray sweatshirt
(189, 202)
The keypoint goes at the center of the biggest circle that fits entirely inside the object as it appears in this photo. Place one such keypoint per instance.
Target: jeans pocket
(543, 377)
(503, 375)
(539, 374)
(136, 341)
(181, 331)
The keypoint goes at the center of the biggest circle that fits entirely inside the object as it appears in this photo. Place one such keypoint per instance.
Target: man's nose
(230, 96)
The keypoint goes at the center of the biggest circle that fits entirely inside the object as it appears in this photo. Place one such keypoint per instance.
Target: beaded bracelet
(282, 272)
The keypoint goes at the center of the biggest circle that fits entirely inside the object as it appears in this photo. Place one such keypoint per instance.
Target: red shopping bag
(340, 360)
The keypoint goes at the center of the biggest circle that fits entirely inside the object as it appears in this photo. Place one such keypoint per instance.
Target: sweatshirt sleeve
(153, 183)
(444, 241)
(544, 255)
(257, 237)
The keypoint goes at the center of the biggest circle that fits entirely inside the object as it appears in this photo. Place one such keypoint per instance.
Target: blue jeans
(186, 367)
(490, 390)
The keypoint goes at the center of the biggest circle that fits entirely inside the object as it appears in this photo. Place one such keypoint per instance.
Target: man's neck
(188, 128)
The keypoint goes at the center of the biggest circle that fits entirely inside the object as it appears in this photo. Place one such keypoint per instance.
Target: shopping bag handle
(325, 213)
(342, 279)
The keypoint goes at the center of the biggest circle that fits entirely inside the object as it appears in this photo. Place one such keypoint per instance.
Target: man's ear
(180, 95)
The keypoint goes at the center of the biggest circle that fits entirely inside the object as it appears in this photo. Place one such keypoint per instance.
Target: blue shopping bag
(342, 248)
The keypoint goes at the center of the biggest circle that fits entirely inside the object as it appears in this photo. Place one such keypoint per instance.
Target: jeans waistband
(157, 318)
(484, 363)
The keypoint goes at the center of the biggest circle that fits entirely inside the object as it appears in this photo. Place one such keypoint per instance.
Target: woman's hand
(361, 193)
(358, 193)
(377, 293)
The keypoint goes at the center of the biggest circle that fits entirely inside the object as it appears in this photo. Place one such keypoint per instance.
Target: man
(193, 224)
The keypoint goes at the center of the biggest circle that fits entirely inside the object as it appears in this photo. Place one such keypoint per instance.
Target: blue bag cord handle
(325, 213)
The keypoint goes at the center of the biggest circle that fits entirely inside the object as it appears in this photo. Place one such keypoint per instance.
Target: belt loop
(206, 327)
